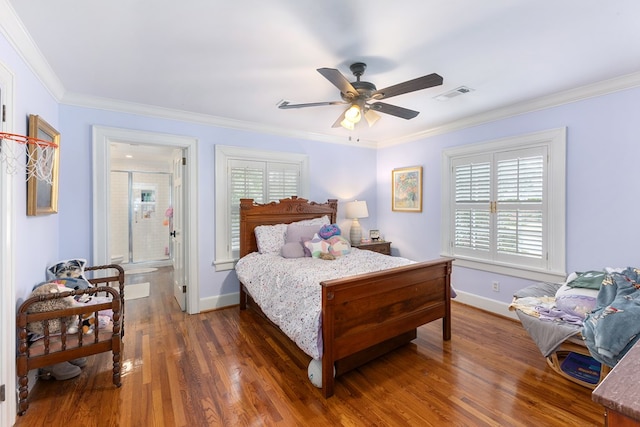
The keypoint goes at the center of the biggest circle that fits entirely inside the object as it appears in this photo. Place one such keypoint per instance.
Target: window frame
(554, 260)
(224, 257)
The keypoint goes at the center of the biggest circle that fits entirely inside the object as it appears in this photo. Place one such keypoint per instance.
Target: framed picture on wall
(42, 186)
(406, 191)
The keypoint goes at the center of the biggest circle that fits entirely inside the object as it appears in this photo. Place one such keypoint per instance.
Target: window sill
(510, 270)
(225, 264)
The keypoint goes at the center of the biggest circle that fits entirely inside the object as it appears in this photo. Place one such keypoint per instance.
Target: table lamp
(356, 209)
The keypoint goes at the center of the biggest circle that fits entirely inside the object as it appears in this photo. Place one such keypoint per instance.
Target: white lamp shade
(353, 114)
(356, 209)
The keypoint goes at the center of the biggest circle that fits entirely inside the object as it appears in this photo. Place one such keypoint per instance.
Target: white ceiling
(231, 62)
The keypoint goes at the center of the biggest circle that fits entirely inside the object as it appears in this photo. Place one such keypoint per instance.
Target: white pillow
(270, 238)
(569, 290)
(323, 220)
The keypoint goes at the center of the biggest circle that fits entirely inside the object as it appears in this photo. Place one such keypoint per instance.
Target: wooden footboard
(368, 310)
(363, 316)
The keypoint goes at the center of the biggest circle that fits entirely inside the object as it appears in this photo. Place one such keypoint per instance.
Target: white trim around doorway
(8, 408)
(102, 138)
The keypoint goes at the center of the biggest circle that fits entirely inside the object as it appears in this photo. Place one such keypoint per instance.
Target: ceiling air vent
(453, 93)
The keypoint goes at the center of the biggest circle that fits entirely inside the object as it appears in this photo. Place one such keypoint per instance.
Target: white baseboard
(490, 305)
(220, 301)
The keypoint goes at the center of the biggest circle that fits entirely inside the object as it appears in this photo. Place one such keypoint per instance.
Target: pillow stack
(315, 238)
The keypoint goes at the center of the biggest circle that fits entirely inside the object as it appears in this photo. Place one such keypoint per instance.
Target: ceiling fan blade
(420, 83)
(339, 81)
(394, 110)
(286, 105)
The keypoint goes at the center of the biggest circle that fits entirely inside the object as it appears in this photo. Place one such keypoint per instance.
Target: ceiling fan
(360, 95)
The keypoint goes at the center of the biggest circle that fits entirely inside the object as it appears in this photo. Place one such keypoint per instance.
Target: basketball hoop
(40, 155)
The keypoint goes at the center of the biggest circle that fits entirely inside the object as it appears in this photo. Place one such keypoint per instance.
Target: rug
(139, 290)
(140, 270)
(582, 367)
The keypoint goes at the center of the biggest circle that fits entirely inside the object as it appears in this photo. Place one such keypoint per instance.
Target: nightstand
(380, 247)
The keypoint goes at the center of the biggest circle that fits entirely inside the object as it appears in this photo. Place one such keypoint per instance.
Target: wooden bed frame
(56, 348)
(366, 315)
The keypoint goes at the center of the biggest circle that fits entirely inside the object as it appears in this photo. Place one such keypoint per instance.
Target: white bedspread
(288, 290)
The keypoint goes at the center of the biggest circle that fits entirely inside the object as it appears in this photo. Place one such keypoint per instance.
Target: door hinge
(4, 113)
(2, 397)
(184, 289)
(184, 161)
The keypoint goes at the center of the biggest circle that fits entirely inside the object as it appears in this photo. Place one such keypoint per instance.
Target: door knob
(173, 233)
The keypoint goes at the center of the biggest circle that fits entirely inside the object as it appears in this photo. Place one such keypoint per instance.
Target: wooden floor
(230, 368)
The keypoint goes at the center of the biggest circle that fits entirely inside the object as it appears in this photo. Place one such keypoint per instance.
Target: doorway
(149, 146)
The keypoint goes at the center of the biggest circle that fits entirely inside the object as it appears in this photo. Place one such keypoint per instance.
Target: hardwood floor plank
(228, 368)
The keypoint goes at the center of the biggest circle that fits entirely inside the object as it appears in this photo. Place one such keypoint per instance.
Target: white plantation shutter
(520, 204)
(499, 206)
(246, 181)
(261, 175)
(504, 205)
(472, 222)
(283, 180)
(261, 181)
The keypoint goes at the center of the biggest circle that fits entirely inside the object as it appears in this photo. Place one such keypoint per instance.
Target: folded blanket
(612, 328)
(547, 335)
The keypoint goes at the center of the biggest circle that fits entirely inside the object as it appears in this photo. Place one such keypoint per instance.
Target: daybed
(60, 346)
(594, 314)
(361, 316)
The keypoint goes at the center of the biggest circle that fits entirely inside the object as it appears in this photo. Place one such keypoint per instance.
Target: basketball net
(40, 156)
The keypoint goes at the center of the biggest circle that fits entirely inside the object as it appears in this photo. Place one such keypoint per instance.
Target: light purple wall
(336, 171)
(603, 149)
(602, 204)
(36, 238)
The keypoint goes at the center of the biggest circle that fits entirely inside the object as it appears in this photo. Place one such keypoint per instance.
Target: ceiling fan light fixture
(371, 117)
(347, 124)
(353, 114)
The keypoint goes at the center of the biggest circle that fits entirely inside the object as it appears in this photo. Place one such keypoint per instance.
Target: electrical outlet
(495, 286)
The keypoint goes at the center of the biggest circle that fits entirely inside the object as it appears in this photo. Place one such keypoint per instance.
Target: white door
(176, 227)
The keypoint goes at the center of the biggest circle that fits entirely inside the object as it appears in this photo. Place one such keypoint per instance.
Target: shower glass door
(151, 195)
(139, 227)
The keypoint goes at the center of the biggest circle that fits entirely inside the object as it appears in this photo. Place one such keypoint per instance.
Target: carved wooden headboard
(285, 211)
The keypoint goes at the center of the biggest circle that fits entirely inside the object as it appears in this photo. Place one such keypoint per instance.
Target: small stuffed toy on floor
(88, 323)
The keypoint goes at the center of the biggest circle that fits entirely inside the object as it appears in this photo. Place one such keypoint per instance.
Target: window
(243, 173)
(504, 206)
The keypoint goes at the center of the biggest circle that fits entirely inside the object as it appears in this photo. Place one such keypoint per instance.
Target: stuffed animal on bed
(329, 230)
(51, 305)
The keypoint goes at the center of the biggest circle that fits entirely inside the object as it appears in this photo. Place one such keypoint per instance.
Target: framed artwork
(42, 195)
(406, 190)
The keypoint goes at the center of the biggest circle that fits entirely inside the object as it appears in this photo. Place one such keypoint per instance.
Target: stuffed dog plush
(73, 268)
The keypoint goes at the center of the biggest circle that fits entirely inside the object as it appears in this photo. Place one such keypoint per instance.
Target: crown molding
(15, 32)
(554, 100)
(86, 101)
